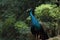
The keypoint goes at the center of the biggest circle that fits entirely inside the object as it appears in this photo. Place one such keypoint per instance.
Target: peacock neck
(34, 21)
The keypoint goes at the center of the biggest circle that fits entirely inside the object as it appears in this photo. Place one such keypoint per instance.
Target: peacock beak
(28, 10)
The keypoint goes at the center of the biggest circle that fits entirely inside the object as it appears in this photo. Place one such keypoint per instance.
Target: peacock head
(30, 11)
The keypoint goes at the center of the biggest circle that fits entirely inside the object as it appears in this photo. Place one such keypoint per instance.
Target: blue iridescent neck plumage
(34, 20)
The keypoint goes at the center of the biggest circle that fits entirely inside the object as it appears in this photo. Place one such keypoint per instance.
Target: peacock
(36, 28)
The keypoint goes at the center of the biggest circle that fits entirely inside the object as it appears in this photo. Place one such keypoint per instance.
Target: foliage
(13, 11)
(55, 13)
(47, 11)
(1, 24)
(22, 27)
(50, 14)
(43, 9)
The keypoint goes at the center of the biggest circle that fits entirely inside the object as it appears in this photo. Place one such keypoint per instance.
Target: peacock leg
(39, 37)
(36, 37)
